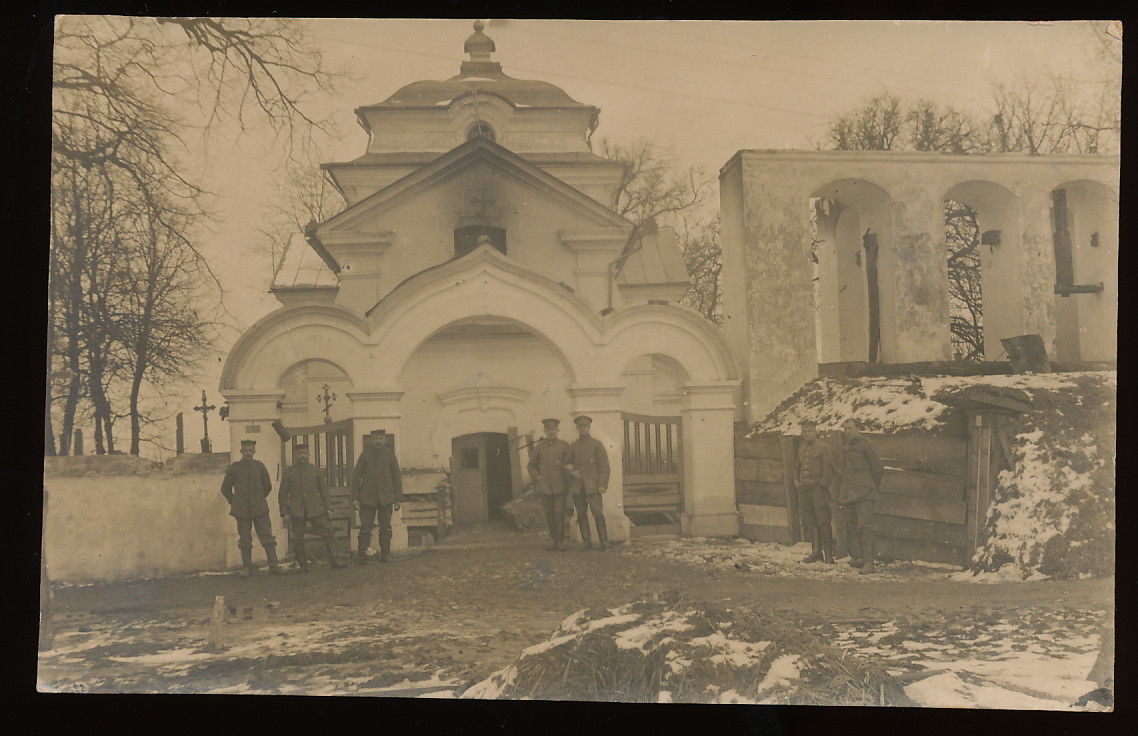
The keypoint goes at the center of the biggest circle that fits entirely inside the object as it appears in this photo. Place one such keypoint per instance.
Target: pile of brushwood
(662, 648)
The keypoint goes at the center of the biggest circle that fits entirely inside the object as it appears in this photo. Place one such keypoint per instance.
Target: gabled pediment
(478, 152)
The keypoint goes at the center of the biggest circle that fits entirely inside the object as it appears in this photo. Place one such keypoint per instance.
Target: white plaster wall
(119, 527)
(424, 230)
(441, 364)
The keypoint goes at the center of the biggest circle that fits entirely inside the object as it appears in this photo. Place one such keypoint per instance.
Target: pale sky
(702, 89)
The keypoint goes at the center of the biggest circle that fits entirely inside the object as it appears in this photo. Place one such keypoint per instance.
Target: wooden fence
(923, 512)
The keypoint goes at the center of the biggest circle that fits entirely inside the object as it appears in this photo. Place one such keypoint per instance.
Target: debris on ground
(665, 649)
(1052, 512)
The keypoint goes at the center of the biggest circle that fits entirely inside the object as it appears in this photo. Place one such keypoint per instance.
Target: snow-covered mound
(669, 650)
(1052, 513)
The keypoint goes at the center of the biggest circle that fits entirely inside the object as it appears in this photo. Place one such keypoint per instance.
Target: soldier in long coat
(858, 481)
(376, 491)
(588, 465)
(547, 469)
(304, 502)
(245, 487)
(814, 475)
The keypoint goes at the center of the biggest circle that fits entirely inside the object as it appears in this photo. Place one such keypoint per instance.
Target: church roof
(419, 158)
(479, 75)
(302, 268)
(657, 261)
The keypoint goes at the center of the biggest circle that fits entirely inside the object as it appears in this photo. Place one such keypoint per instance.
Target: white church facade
(471, 288)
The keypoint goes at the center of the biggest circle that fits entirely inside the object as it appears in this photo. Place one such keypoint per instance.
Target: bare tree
(875, 125)
(703, 258)
(124, 93)
(303, 195)
(655, 191)
(965, 297)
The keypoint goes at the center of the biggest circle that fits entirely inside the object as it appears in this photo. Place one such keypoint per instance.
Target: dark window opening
(480, 130)
(470, 237)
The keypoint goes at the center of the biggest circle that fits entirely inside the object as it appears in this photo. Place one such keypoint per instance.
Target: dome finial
(479, 45)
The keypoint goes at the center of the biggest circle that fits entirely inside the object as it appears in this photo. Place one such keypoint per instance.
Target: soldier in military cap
(547, 469)
(858, 476)
(304, 501)
(588, 465)
(814, 474)
(376, 491)
(245, 487)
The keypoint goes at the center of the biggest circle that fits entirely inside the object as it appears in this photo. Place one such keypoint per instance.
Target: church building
(478, 281)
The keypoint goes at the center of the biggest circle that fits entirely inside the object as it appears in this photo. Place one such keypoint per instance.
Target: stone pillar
(709, 460)
(595, 251)
(781, 350)
(379, 409)
(1037, 267)
(602, 403)
(251, 417)
(914, 278)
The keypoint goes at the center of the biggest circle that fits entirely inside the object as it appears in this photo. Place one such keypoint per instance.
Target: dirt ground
(433, 623)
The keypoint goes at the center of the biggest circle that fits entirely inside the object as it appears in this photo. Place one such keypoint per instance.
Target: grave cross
(205, 409)
(327, 398)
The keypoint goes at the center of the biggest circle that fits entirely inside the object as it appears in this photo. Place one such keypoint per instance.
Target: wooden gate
(653, 474)
(330, 448)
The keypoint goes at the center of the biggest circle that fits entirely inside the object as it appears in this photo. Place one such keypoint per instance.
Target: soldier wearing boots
(376, 491)
(815, 473)
(304, 502)
(547, 469)
(858, 484)
(588, 465)
(245, 487)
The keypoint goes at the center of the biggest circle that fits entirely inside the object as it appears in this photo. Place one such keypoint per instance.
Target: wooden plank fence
(922, 513)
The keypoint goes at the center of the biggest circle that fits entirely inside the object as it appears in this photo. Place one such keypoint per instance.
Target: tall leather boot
(362, 543)
(246, 562)
(385, 547)
(868, 546)
(586, 535)
(853, 541)
(815, 546)
(826, 544)
(300, 550)
(274, 563)
(602, 532)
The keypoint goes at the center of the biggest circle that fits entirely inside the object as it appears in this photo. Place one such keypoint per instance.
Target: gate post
(602, 403)
(709, 460)
(251, 417)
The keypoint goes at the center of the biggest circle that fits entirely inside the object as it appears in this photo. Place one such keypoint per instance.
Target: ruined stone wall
(768, 274)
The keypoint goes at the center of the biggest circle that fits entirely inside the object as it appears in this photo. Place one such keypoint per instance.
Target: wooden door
(469, 480)
(499, 481)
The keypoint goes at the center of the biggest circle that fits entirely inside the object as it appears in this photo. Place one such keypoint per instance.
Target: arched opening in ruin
(1084, 226)
(982, 246)
(849, 222)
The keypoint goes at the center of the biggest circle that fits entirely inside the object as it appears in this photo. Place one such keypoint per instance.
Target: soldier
(859, 473)
(589, 467)
(304, 501)
(245, 487)
(377, 490)
(815, 473)
(547, 468)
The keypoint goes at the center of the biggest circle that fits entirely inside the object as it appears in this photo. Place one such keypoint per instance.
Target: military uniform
(815, 473)
(858, 479)
(304, 500)
(377, 485)
(590, 465)
(547, 469)
(246, 486)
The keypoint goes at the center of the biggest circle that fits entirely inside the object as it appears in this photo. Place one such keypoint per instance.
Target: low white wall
(116, 518)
